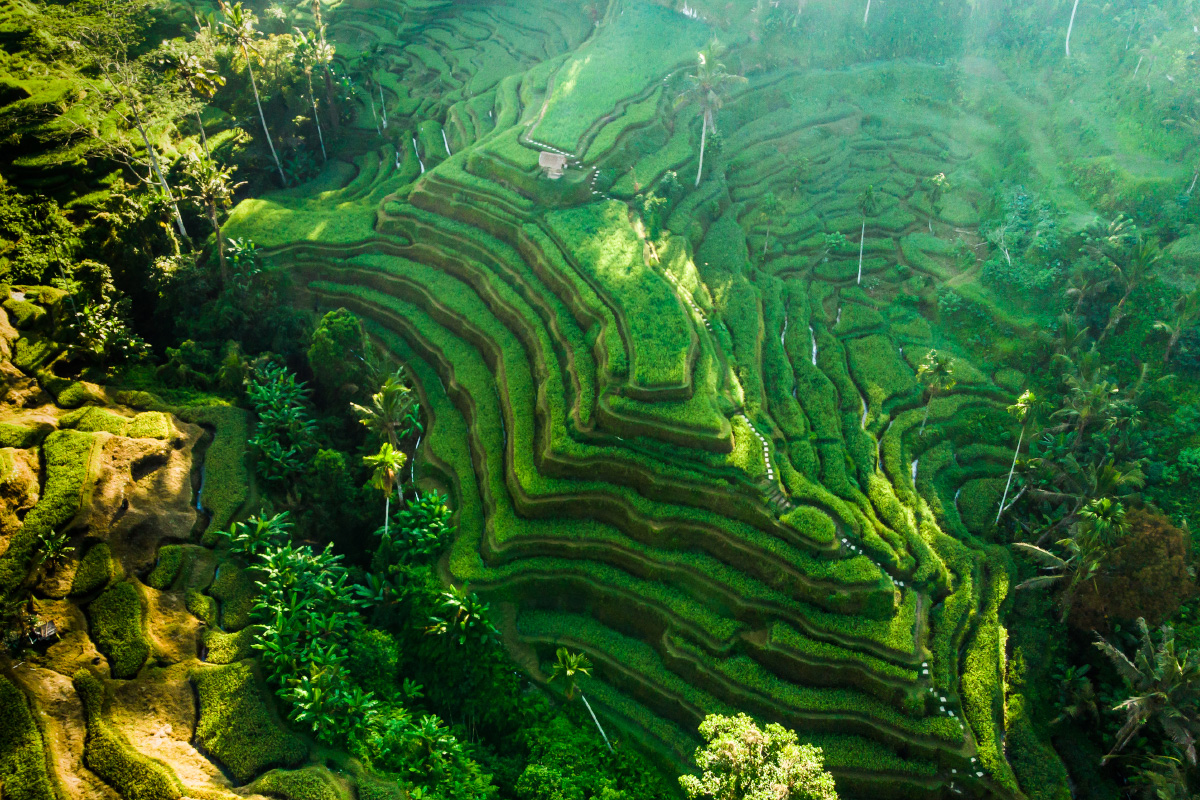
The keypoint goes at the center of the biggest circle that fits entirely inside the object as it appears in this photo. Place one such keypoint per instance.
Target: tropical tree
(868, 204)
(464, 616)
(187, 68)
(309, 52)
(1130, 257)
(1026, 406)
(936, 187)
(133, 91)
(386, 466)
(1077, 697)
(569, 668)
(325, 54)
(239, 28)
(212, 186)
(1164, 689)
(393, 412)
(369, 64)
(1187, 311)
(708, 85)
(1083, 560)
(768, 208)
(936, 375)
(740, 761)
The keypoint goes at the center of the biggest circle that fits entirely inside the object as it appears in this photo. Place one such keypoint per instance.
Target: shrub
(116, 626)
(20, 436)
(235, 725)
(22, 752)
(108, 754)
(95, 570)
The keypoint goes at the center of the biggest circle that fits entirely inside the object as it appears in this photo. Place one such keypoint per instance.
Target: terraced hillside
(693, 453)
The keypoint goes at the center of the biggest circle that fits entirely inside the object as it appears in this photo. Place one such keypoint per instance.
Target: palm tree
(1077, 697)
(1187, 311)
(387, 464)
(189, 70)
(768, 208)
(308, 51)
(707, 86)
(938, 186)
(868, 204)
(392, 414)
(1165, 689)
(1071, 27)
(936, 376)
(239, 28)
(569, 667)
(1084, 557)
(212, 186)
(369, 64)
(1026, 406)
(325, 52)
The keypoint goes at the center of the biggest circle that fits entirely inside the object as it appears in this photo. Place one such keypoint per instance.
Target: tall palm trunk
(703, 141)
(216, 226)
(928, 405)
(1071, 27)
(1011, 470)
(334, 123)
(862, 241)
(1174, 340)
(263, 117)
(374, 116)
(312, 98)
(593, 713)
(203, 135)
(162, 181)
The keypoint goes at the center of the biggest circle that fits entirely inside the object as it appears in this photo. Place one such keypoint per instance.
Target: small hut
(552, 164)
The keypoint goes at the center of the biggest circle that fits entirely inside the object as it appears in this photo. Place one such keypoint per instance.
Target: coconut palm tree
(569, 668)
(1024, 409)
(386, 466)
(868, 204)
(768, 208)
(369, 64)
(326, 53)
(1164, 687)
(393, 412)
(936, 375)
(1083, 560)
(937, 186)
(212, 186)
(1187, 311)
(238, 27)
(192, 75)
(308, 51)
(708, 84)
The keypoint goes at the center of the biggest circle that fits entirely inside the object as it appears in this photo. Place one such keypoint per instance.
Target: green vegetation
(108, 754)
(23, 770)
(95, 571)
(237, 726)
(115, 620)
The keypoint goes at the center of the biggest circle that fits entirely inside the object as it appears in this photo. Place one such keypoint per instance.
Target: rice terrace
(628, 399)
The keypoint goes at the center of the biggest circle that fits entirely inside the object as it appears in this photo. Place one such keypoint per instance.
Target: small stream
(446, 142)
(813, 336)
(417, 153)
(914, 470)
